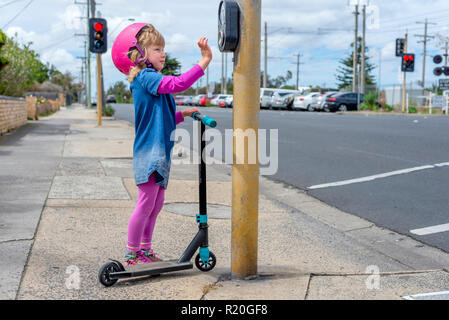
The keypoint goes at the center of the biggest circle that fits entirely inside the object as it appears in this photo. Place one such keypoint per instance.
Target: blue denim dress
(154, 123)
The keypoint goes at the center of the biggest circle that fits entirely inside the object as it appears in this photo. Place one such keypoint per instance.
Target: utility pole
(245, 168)
(405, 75)
(298, 56)
(226, 74)
(426, 37)
(362, 68)
(99, 76)
(354, 64)
(265, 57)
(89, 84)
(222, 73)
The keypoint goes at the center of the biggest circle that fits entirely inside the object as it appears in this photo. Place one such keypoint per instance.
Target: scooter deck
(151, 269)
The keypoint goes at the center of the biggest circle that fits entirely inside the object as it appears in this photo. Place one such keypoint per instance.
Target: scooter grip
(206, 120)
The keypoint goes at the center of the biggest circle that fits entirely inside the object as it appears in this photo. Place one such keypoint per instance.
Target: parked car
(228, 101)
(206, 99)
(196, 99)
(266, 95)
(93, 101)
(111, 99)
(305, 102)
(179, 100)
(282, 100)
(319, 103)
(343, 101)
(187, 101)
(218, 98)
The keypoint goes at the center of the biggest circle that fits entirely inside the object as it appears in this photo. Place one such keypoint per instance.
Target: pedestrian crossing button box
(228, 25)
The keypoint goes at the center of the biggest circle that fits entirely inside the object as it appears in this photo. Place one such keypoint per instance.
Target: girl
(138, 51)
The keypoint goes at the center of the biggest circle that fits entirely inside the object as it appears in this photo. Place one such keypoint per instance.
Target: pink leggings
(141, 224)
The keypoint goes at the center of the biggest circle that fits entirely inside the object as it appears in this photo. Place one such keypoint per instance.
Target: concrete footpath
(67, 192)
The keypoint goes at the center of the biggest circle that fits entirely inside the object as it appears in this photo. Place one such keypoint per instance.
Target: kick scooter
(205, 260)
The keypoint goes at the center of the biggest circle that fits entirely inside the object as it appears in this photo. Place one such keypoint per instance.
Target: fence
(15, 112)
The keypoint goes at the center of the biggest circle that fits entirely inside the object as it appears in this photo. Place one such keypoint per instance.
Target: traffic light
(400, 44)
(438, 71)
(98, 31)
(437, 59)
(408, 62)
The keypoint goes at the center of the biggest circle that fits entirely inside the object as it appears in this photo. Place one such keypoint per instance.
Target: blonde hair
(146, 37)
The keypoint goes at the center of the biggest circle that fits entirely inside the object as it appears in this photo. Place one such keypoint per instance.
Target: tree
(121, 92)
(278, 82)
(344, 74)
(172, 67)
(22, 70)
(3, 60)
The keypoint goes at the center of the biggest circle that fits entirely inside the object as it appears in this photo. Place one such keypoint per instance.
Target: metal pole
(226, 74)
(354, 65)
(99, 85)
(404, 85)
(245, 174)
(362, 73)
(89, 83)
(297, 73)
(265, 57)
(424, 57)
(222, 72)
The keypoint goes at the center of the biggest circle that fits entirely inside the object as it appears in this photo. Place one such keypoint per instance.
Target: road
(390, 170)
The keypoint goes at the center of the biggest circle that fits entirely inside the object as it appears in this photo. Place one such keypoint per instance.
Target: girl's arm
(179, 117)
(172, 84)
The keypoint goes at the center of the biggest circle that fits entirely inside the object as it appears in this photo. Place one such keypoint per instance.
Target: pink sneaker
(143, 258)
(131, 259)
(151, 255)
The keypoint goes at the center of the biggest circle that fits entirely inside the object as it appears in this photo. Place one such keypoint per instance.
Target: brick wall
(13, 113)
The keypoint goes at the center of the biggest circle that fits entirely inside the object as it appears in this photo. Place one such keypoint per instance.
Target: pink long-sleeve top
(172, 84)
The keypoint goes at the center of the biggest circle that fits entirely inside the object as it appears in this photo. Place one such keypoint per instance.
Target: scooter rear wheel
(105, 270)
(206, 267)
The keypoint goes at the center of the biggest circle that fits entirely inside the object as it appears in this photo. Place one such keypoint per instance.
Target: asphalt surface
(320, 148)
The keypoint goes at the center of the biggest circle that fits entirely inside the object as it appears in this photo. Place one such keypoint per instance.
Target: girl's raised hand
(206, 52)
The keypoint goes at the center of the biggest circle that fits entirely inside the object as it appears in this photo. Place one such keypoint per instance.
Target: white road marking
(431, 230)
(444, 295)
(370, 178)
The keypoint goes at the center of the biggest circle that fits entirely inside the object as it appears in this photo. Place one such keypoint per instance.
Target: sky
(321, 31)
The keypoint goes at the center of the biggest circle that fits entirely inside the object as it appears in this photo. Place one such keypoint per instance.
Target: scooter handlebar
(206, 120)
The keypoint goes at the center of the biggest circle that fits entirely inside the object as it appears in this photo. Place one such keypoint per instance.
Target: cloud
(62, 59)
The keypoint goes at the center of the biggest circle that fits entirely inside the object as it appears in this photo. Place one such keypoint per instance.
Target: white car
(306, 102)
(196, 99)
(217, 99)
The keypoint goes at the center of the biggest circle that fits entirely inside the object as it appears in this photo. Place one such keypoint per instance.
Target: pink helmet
(125, 42)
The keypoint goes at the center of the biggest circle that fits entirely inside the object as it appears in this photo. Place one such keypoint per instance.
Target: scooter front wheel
(104, 272)
(206, 267)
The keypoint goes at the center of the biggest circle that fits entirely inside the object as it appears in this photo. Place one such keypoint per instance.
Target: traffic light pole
(405, 76)
(245, 169)
(99, 86)
(89, 83)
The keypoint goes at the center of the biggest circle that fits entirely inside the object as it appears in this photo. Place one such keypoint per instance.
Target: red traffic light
(408, 58)
(98, 26)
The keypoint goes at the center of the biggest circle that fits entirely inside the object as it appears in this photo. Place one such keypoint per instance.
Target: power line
(7, 4)
(21, 11)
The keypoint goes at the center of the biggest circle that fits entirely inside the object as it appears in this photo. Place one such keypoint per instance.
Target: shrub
(108, 111)
(388, 108)
(363, 106)
(412, 110)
